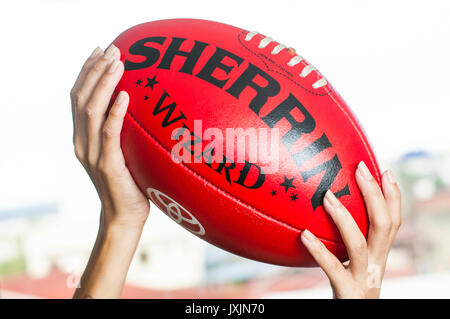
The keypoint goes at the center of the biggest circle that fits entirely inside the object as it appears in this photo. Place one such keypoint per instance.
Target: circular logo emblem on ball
(175, 211)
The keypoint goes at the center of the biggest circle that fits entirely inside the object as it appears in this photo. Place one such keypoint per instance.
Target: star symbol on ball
(146, 97)
(138, 82)
(274, 192)
(294, 197)
(288, 183)
(151, 82)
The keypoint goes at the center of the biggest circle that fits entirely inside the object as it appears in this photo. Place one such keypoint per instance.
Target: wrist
(115, 223)
(116, 229)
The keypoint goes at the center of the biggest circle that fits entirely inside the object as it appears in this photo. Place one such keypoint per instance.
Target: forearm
(109, 262)
(96, 138)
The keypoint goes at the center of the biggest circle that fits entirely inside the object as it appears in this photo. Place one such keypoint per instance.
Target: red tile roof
(54, 286)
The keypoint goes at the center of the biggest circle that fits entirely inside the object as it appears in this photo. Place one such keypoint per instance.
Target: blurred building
(425, 182)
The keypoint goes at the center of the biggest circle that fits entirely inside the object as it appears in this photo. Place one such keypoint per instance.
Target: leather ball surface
(190, 80)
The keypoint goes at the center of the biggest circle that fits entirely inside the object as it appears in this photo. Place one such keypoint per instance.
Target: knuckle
(78, 97)
(360, 246)
(104, 82)
(394, 192)
(100, 65)
(109, 132)
(115, 113)
(91, 111)
(374, 189)
(90, 61)
(335, 264)
(384, 224)
(396, 225)
(341, 208)
(320, 248)
(102, 166)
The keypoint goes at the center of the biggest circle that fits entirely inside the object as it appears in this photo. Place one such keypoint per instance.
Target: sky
(388, 59)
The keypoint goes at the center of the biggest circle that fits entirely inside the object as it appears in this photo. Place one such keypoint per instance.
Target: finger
(97, 108)
(84, 70)
(354, 240)
(82, 96)
(113, 127)
(392, 194)
(74, 93)
(332, 267)
(94, 74)
(379, 218)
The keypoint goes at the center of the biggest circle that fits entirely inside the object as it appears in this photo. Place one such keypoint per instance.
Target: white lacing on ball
(292, 62)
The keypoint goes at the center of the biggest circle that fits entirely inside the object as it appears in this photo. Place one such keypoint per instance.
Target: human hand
(362, 276)
(96, 139)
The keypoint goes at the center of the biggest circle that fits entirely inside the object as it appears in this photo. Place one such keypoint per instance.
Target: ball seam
(275, 71)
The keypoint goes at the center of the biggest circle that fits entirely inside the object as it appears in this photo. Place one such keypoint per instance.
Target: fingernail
(329, 197)
(114, 66)
(390, 176)
(109, 53)
(365, 173)
(308, 236)
(96, 52)
(120, 98)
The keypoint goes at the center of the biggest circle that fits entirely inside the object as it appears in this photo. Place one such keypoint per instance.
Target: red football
(195, 83)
